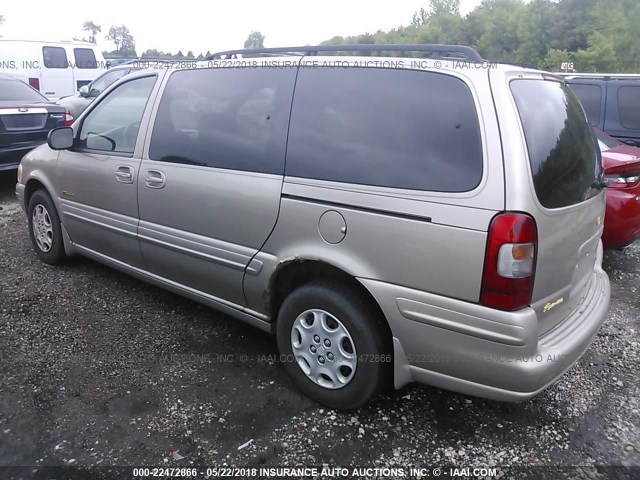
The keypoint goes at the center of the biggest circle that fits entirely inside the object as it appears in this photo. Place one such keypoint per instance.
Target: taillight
(624, 175)
(68, 118)
(35, 83)
(509, 262)
(622, 181)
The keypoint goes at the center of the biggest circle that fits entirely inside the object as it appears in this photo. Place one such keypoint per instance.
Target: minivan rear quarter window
(562, 152)
(391, 128)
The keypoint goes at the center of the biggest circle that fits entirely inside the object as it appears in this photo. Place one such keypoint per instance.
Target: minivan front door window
(113, 125)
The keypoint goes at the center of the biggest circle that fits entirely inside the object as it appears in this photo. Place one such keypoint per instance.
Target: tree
(596, 35)
(555, 58)
(438, 7)
(599, 57)
(115, 36)
(533, 31)
(494, 28)
(123, 40)
(153, 53)
(420, 18)
(90, 26)
(254, 40)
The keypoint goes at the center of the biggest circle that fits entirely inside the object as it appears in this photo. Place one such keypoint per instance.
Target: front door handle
(155, 179)
(124, 174)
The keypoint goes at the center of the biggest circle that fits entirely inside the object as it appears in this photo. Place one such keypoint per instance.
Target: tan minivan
(390, 219)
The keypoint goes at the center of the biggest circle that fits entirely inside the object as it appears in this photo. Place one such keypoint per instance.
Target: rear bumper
(483, 352)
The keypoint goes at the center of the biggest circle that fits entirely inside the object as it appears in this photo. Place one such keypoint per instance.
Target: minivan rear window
(382, 127)
(562, 151)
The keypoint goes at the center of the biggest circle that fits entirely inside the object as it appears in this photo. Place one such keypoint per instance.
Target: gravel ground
(97, 368)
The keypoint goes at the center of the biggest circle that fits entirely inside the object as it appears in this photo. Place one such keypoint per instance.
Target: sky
(207, 24)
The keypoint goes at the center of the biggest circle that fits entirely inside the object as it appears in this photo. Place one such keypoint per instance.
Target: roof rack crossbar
(443, 52)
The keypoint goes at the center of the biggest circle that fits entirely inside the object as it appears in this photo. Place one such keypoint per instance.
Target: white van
(55, 69)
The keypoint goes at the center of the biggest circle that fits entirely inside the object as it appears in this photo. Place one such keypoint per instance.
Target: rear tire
(334, 344)
(45, 229)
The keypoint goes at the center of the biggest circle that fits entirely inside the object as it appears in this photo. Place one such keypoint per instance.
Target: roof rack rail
(599, 76)
(442, 52)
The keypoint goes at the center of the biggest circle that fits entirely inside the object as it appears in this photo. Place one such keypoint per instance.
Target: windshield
(15, 90)
(562, 152)
(100, 84)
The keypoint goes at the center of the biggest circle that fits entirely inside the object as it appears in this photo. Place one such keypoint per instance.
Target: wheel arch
(37, 182)
(298, 271)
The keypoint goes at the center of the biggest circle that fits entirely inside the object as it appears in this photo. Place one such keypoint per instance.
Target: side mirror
(84, 91)
(60, 138)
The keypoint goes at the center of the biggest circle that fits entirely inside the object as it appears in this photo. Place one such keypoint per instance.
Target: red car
(622, 173)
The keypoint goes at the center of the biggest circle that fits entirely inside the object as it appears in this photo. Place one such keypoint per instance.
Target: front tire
(44, 228)
(335, 345)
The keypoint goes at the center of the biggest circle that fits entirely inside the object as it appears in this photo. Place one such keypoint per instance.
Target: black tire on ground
(49, 221)
(366, 326)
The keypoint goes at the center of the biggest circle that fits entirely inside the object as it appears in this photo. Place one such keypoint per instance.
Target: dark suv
(612, 103)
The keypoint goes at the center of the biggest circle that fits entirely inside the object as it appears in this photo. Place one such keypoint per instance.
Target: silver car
(389, 219)
(78, 102)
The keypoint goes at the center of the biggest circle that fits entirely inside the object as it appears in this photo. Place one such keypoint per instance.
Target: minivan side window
(391, 128)
(85, 58)
(235, 118)
(629, 107)
(591, 99)
(112, 126)
(55, 57)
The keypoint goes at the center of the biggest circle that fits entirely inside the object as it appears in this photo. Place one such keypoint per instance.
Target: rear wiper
(600, 184)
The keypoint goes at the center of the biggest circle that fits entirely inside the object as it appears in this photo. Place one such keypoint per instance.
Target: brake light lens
(622, 182)
(35, 83)
(625, 175)
(68, 118)
(510, 262)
